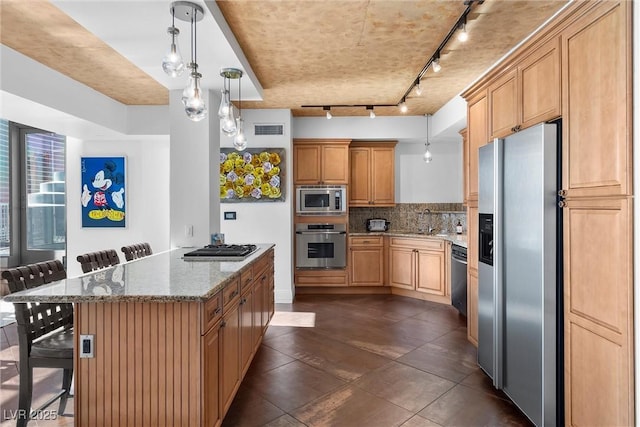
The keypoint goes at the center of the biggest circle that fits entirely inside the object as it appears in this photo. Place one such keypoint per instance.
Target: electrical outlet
(86, 346)
(188, 230)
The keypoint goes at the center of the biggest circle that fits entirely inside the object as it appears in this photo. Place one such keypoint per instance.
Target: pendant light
(427, 156)
(192, 97)
(172, 63)
(228, 121)
(240, 139)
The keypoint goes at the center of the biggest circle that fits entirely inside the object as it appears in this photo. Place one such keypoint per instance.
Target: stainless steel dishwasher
(459, 278)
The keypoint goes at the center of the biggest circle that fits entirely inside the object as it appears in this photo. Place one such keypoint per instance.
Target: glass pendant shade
(228, 124)
(223, 111)
(240, 139)
(172, 62)
(194, 104)
(427, 157)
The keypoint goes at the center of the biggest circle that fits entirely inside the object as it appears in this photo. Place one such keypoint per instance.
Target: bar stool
(45, 334)
(98, 260)
(137, 250)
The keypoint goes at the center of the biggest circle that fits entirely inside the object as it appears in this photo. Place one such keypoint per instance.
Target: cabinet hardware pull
(217, 310)
(562, 204)
(562, 193)
(223, 324)
(233, 294)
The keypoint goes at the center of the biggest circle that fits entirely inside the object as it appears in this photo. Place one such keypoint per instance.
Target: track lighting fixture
(173, 65)
(328, 110)
(372, 115)
(436, 63)
(418, 87)
(403, 106)
(463, 36)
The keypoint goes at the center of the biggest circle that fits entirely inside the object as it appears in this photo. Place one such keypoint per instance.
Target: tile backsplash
(412, 217)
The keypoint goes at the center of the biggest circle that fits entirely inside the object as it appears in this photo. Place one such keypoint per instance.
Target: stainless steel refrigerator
(517, 269)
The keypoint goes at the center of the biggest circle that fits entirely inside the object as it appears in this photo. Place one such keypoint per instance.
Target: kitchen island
(172, 339)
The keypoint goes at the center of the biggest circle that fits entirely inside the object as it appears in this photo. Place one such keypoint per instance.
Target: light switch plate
(86, 346)
(230, 215)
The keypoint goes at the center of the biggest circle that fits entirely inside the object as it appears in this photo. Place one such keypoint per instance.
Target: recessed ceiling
(298, 52)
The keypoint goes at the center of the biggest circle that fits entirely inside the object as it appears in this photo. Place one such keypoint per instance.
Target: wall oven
(321, 200)
(321, 245)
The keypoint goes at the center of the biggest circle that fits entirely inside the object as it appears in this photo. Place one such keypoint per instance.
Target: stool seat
(56, 345)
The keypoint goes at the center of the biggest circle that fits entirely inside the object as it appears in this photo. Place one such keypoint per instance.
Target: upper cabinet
(597, 108)
(476, 137)
(321, 161)
(372, 180)
(527, 94)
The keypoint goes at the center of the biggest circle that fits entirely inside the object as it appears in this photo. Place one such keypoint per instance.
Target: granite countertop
(457, 239)
(161, 277)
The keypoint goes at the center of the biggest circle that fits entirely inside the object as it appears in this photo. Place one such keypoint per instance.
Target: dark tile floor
(376, 360)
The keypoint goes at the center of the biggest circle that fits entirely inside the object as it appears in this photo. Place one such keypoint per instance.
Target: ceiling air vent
(269, 129)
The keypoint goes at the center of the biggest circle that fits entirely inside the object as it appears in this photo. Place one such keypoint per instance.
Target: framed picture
(103, 194)
(254, 175)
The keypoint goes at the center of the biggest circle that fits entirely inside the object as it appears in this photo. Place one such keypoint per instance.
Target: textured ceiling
(304, 52)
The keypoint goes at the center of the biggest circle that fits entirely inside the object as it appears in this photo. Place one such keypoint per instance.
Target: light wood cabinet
(230, 356)
(598, 226)
(528, 93)
(212, 415)
(247, 344)
(366, 261)
(472, 272)
(372, 175)
(322, 278)
(465, 166)
(598, 307)
(418, 264)
(477, 136)
(597, 110)
(320, 162)
(472, 307)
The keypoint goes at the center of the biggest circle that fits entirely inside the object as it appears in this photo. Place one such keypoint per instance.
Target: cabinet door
(359, 184)
(472, 237)
(598, 307)
(259, 310)
(472, 307)
(366, 265)
(230, 364)
(306, 160)
(211, 377)
(596, 105)
(503, 105)
(539, 85)
(430, 272)
(477, 136)
(335, 164)
(382, 176)
(246, 331)
(401, 267)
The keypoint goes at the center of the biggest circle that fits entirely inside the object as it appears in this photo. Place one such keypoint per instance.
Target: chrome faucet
(421, 221)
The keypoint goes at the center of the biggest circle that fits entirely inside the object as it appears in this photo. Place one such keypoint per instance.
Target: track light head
(328, 110)
(372, 115)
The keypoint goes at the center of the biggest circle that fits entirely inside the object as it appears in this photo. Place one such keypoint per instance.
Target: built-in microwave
(321, 200)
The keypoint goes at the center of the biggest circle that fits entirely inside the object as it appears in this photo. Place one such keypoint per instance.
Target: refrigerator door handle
(498, 336)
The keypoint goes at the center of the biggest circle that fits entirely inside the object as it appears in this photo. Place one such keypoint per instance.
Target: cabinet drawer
(261, 264)
(212, 312)
(231, 292)
(429, 244)
(365, 241)
(246, 278)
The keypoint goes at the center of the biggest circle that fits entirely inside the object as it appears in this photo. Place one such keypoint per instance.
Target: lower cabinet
(472, 307)
(230, 356)
(418, 265)
(212, 415)
(366, 261)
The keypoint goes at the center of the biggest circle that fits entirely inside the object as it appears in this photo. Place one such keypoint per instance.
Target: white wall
(194, 154)
(437, 182)
(147, 197)
(267, 222)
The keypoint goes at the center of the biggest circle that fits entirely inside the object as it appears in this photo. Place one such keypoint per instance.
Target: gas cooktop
(221, 252)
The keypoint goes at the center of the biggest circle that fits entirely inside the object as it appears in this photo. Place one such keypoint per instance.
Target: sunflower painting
(255, 175)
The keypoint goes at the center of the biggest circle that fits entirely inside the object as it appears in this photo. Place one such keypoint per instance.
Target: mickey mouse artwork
(103, 192)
